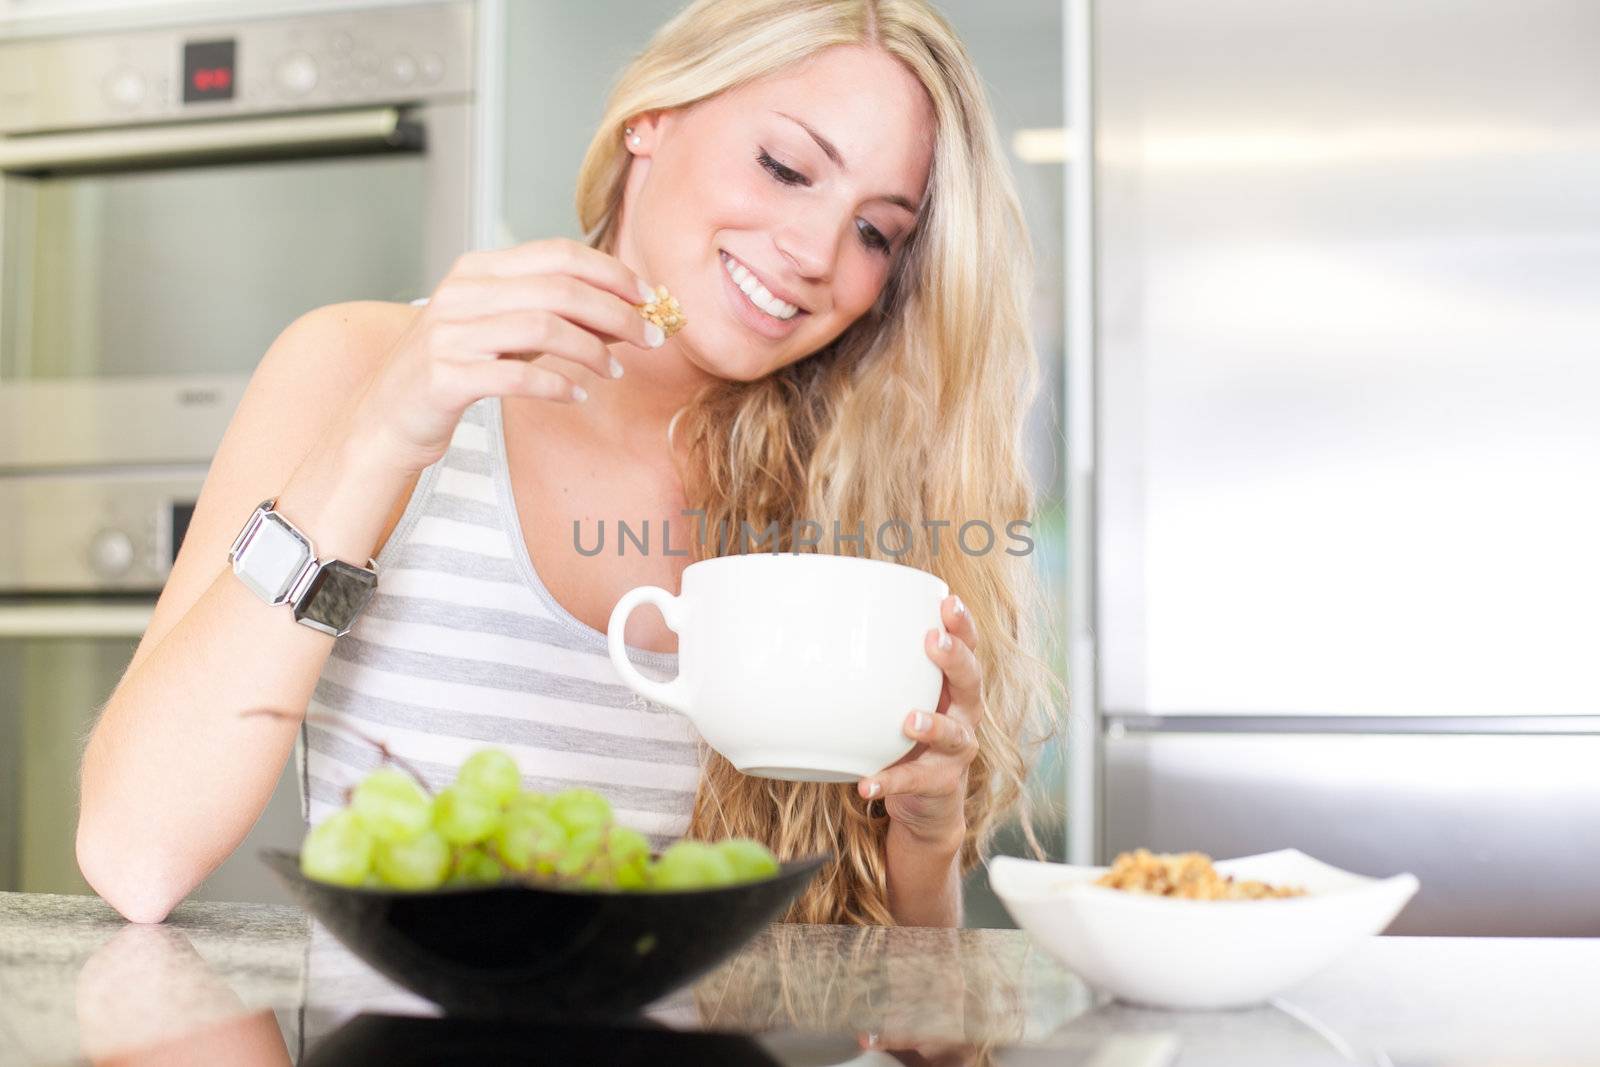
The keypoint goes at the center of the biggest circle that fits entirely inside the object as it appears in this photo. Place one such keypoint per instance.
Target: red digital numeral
(208, 78)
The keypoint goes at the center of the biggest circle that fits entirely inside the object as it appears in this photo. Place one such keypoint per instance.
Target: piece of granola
(664, 311)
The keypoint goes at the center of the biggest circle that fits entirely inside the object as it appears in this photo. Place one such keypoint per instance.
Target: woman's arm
(924, 879)
(173, 776)
(925, 792)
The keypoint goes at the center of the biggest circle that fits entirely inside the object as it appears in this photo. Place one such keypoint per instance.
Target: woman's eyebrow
(833, 153)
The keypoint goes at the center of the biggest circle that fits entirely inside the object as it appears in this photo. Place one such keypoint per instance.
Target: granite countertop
(255, 983)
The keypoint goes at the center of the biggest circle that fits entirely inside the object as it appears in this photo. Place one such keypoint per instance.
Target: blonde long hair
(915, 412)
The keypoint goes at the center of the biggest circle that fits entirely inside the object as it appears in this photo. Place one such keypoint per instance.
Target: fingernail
(944, 642)
(579, 393)
(654, 335)
(921, 722)
(646, 293)
(616, 368)
(961, 609)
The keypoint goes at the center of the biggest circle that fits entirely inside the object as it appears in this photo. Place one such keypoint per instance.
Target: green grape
(464, 816)
(632, 876)
(750, 860)
(528, 800)
(625, 847)
(338, 849)
(391, 805)
(584, 854)
(528, 840)
(628, 858)
(419, 862)
(691, 865)
(577, 809)
(492, 772)
(474, 866)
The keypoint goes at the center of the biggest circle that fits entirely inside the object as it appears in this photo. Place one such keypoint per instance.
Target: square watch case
(277, 563)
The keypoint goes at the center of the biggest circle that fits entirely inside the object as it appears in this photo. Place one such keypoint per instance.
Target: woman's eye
(871, 237)
(779, 171)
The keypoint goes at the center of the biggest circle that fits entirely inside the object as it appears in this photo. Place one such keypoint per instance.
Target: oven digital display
(208, 70)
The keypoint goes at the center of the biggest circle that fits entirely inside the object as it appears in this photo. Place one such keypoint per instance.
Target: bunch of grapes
(485, 828)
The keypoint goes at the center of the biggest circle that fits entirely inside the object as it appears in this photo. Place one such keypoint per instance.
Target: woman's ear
(641, 135)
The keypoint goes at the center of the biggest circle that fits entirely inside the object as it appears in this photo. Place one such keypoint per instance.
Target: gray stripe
(493, 674)
(459, 562)
(470, 460)
(320, 789)
(461, 509)
(475, 413)
(438, 775)
(470, 619)
(504, 730)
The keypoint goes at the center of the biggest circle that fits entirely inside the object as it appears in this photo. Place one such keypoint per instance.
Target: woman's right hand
(483, 331)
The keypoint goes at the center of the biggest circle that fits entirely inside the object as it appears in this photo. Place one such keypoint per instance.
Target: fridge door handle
(50, 619)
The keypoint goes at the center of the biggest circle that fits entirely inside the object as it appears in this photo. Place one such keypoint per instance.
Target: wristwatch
(276, 561)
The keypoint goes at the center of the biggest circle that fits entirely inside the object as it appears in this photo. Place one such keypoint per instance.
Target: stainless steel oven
(171, 197)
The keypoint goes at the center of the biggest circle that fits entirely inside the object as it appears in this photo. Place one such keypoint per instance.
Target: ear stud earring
(633, 138)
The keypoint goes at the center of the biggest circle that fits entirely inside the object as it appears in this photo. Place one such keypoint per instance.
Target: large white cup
(796, 666)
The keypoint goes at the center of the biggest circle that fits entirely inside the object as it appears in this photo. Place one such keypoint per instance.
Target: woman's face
(806, 182)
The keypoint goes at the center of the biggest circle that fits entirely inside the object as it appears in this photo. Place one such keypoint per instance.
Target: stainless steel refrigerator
(1346, 531)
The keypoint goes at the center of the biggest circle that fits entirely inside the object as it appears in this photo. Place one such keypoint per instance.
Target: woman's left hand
(925, 791)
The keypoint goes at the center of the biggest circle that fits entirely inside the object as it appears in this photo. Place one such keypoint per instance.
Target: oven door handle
(210, 142)
(74, 618)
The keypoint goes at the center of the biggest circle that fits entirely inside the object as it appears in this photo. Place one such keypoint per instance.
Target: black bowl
(535, 952)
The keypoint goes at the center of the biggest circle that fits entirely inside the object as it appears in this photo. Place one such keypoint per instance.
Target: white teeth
(756, 292)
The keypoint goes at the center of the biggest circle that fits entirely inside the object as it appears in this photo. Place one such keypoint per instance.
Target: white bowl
(1171, 953)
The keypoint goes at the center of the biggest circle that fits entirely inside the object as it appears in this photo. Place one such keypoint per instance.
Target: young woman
(820, 185)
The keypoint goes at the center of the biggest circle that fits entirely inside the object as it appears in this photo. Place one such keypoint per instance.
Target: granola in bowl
(1188, 875)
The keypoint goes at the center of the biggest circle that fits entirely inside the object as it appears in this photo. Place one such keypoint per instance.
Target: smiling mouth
(756, 293)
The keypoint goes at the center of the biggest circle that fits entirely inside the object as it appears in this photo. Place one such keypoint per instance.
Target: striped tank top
(462, 646)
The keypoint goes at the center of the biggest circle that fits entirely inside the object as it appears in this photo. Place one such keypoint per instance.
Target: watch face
(272, 560)
(336, 596)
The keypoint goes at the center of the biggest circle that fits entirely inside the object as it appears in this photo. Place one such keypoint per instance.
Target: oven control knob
(125, 87)
(297, 74)
(402, 69)
(111, 553)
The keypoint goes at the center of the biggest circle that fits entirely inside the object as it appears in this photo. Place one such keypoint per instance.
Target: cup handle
(673, 694)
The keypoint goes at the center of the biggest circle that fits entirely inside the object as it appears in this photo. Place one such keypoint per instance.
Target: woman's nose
(809, 243)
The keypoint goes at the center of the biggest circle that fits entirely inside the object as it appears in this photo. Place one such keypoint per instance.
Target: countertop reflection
(261, 984)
